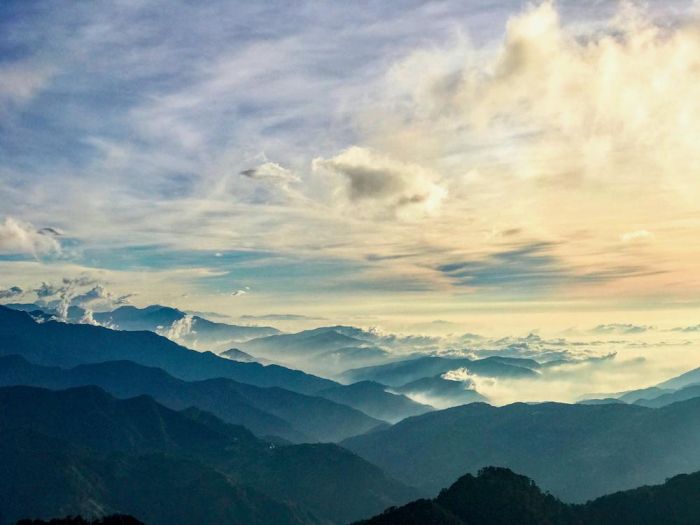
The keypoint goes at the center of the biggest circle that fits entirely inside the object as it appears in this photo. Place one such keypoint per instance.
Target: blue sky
(351, 156)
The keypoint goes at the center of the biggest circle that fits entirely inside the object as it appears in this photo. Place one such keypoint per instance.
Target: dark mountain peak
(10, 315)
(496, 496)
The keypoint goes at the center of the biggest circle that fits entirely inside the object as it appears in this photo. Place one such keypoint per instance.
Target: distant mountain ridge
(60, 344)
(577, 452)
(402, 372)
(266, 411)
(67, 345)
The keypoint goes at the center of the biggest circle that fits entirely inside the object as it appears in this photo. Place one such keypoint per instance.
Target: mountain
(60, 344)
(121, 454)
(67, 345)
(89, 417)
(150, 318)
(497, 496)
(691, 377)
(441, 392)
(156, 488)
(633, 396)
(667, 398)
(327, 350)
(403, 372)
(238, 355)
(306, 343)
(340, 359)
(204, 333)
(374, 400)
(600, 401)
(575, 451)
(266, 411)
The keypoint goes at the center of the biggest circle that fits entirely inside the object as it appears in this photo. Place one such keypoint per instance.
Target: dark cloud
(621, 328)
(529, 266)
(13, 291)
(50, 231)
(687, 329)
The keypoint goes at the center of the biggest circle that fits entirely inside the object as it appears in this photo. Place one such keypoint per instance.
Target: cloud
(99, 298)
(12, 292)
(82, 291)
(395, 187)
(571, 106)
(272, 172)
(17, 237)
(528, 267)
(20, 81)
(573, 133)
(179, 330)
(687, 329)
(281, 317)
(636, 236)
(620, 328)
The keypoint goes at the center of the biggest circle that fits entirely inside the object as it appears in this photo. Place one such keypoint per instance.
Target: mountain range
(577, 452)
(403, 372)
(95, 454)
(265, 411)
(53, 343)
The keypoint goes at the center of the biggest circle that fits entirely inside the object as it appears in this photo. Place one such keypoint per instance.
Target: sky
(499, 166)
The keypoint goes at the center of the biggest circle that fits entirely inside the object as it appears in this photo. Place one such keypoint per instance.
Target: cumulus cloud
(11, 292)
(179, 330)
(82, 291)
(621, 104)
(18, 237)
(99, 298)
(392, 186)
(562, 131)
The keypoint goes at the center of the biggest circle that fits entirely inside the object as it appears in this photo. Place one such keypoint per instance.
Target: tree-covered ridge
(498, 496)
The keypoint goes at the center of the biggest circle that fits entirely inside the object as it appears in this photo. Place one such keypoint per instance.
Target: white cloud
(636, 236)
(179, 329)
(99, 298)
(18, 237)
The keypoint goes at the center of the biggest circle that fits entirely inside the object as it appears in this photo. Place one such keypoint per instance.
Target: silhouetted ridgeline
(498, 496)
